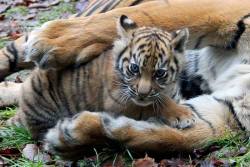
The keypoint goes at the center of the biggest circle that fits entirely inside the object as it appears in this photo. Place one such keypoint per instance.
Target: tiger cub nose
(144, 88)
(143, 93)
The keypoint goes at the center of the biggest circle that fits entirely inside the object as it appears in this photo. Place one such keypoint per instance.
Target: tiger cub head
(148, 61)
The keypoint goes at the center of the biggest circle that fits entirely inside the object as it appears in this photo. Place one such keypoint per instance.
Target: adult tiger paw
(44, 47)
(61, 43)
(74, 137)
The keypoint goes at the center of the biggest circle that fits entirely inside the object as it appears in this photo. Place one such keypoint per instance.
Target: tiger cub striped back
(136, 79)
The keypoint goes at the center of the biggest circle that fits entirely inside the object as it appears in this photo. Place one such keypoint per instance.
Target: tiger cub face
(148, 61)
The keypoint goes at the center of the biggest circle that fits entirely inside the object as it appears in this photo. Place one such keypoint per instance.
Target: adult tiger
(211, 22)
(12, 56)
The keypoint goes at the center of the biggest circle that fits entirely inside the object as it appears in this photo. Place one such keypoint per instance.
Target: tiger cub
(137, 78)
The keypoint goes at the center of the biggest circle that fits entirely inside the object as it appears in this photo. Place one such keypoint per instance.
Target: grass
(14, 137)
(21, 10)
(231, 144)
(56, 12)
(23, 162)
(7, 113)
(3, 42)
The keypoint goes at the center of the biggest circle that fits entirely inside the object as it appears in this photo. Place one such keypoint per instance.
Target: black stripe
(90, 6)
(62, 97)
(12, 62)
(231, 109)
(241, 29)
(94, 8)
(110, 6)
(26, 37)
(161, 57)
(113, 98)
(52, 94)
(32, 111)
(119, 57)
(200, 117)
(77, 86)
(35, 89)
(42, 103)
(199, 41)
(136, 2)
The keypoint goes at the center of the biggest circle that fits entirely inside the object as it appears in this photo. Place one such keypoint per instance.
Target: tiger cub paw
(181, 119)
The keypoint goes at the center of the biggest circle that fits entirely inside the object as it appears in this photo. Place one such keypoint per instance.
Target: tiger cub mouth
(142, 101)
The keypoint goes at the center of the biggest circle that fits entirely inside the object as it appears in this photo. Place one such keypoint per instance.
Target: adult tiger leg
(12, 56)
(213, 120)
(89, 129)
(74, 137)
(213, 22)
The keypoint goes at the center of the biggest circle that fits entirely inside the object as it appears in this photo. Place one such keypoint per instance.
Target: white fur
(229, 79)
(121, 122)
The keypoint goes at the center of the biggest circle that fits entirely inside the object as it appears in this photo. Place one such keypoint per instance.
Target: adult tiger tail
(70, 139)
(12, 56)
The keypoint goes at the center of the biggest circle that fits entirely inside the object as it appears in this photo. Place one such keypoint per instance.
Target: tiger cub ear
(179, 39)
(125, 26)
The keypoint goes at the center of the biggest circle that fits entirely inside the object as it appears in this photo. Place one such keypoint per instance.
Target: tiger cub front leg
(77, 135)
(177, 115)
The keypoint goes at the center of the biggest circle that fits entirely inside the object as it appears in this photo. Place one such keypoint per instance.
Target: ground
(16, 145)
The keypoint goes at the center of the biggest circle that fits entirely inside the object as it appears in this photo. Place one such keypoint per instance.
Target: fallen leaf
(81, 5)
(145, 162)
(15, 35)
(29, 16)
(30, 151)
(242, 151)
(9, 152)
(2, 16)
(172, 162)
(4, 8)
(45, 4)
(2, 162)
(18, 79)
(44, 157)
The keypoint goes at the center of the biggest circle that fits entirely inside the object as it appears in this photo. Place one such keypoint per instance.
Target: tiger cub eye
(134, 68)
(160, 73)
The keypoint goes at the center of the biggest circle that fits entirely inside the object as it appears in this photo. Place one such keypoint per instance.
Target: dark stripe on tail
(241, 29)
(136, 2)
(200, 117)
(12, 61)
(231, 109)
(110, 6)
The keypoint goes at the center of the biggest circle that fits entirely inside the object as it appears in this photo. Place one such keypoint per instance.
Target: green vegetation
(23, 162)
(7, 113)
(235, 148)
(56, 12)
(21, 10)
(3, 42)
(14, 137)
